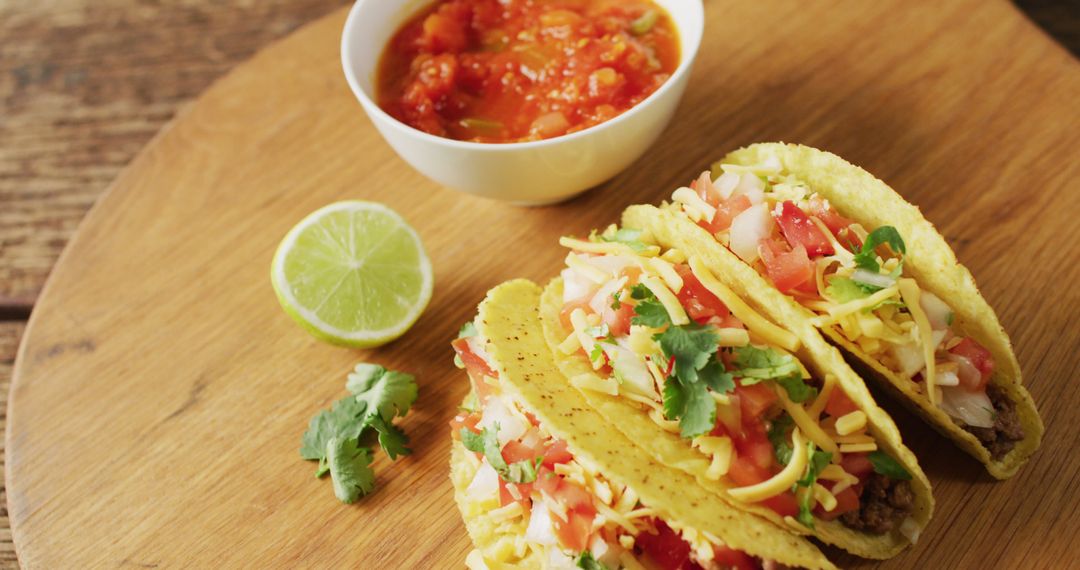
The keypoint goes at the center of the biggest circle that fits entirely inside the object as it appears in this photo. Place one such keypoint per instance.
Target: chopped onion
(751, 186)
(870, 278)
(575, 286)
(910, 529)
(937, 336)
(946, 378)
(936, 310)
(747, 231)
(602, 299)
(558, 560)
(971, 408)
(726, 184)
(909, 357)
(497, 411)
(631, 369)
(968, 374)
(485, 484)
(540, 530)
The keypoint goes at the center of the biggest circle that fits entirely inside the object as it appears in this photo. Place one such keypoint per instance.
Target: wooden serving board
(160, 393)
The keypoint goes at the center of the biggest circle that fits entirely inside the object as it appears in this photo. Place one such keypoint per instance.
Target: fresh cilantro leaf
(386, 392)
(714, 376)
(596, 355)
(866, 258)
(640, 292)
(844, 289)
(350, 469)
(392, 440)
(674, 399)
(691, 346)
(616, 301)
(797, 390)
(487, 443)
(806, 515)
(524, 471)
(887, 466)
(467, 330)
(763, 363)
(699, 416)
(587, 562)
(650, 314)
(949, 318)
(626, 236)
(342, 421)
(818, 460)
(779, 429)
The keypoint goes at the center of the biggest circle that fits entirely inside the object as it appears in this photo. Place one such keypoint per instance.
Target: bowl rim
(685, 63)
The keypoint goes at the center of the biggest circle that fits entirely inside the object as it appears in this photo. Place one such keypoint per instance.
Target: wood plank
(10, 333)
(84, 86)
(171, 391)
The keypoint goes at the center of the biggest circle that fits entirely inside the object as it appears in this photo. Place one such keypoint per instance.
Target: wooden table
(77, 101)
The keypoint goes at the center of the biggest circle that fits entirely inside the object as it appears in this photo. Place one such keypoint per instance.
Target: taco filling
(553, 507)
(854, 280)
(661, 331)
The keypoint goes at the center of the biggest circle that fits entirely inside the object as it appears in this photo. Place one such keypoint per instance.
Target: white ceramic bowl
(539, 172)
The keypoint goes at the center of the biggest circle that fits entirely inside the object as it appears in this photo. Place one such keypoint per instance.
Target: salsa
(499, 71)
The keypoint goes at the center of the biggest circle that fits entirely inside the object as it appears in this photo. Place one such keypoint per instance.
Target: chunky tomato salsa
(499, 71)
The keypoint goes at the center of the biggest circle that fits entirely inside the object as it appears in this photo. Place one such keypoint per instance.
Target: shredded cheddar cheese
(910, 291)
(780, 482)
(755, 322)
(850, 423)
(667, 299)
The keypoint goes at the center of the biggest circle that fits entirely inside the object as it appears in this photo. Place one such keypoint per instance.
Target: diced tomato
(665, 548)
(857, 464)
(556, 453)
(832, 220)
(523, 490)
(476, 367)
(799, 230)
(464, 421)
(443, 33)
(726, 212)
(515, 451)
(618, 320)
(787, 269)
(699, 302)
(564, 315)
(754, 444)
(839, 404)
(785, 504)
(755, 399)
(573, 534)
(744, 472)
(846, 501)
(980, 358)
(734, 559)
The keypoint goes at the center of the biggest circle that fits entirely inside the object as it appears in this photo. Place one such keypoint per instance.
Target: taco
(543, 481)
(769, 419)
(865, 267)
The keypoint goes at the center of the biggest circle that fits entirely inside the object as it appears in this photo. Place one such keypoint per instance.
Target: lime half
(353, 273)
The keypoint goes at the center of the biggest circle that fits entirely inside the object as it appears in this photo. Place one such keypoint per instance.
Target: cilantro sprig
(487, 443)
(341, 438)
(586, 561)
(817, 461)
(754, 365)
(626, 236)
(866, 257)
(887, 466)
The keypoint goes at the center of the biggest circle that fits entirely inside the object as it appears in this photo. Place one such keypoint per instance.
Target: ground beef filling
(1007, 430)
(883, 505)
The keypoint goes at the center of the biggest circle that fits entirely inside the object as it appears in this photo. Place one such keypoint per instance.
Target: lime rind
(351, 291)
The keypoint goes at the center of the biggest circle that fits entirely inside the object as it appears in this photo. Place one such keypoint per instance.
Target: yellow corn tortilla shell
(672, 450)
(861, 197)
(510, 326)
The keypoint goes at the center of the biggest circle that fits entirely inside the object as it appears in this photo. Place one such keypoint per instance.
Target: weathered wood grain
(163, 339)
(84, 85)
(10, 333)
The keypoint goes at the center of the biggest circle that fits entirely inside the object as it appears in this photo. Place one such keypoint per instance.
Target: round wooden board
(160, 393)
